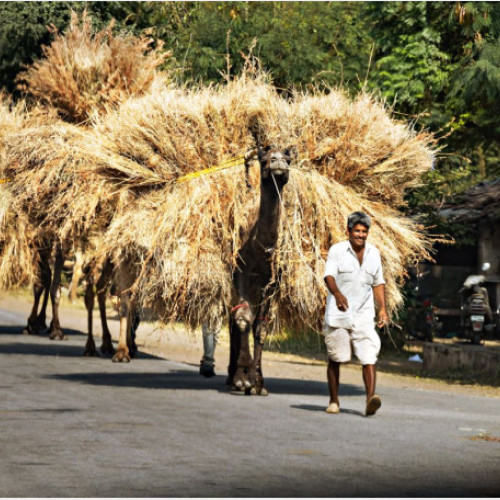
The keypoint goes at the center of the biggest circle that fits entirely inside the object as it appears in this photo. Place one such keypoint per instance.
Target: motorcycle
(475, 307)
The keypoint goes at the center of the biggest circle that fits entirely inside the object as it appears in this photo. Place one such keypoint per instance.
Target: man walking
(353, 276)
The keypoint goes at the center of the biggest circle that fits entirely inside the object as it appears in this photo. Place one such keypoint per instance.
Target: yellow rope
(239, 160)
(5, 180)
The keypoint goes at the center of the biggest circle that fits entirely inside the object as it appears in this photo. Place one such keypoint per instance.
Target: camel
(253, 275)
(48, 283)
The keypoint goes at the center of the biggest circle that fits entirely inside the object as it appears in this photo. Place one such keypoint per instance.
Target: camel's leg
(41, 320)
(32, 327)
(244, 377)
(122, 353)
(210, 331)
(46, 274)
(134, 322)
(78, 273)
(234, 349)
(90, 349)
(55, 296)
(260, 329)
(37, 321)
(102, 290)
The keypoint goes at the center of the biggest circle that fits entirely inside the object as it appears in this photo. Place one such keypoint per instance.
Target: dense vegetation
(436, 63)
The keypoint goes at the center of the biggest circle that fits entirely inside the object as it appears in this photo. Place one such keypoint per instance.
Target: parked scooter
(475, 307)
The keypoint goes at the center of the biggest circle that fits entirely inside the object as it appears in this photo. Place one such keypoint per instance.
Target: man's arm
(341, 301)
(379, 295)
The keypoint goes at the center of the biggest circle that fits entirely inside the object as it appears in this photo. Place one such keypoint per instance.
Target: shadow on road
(172, 378)
(191, 380)
(323, 407)
(18, 330)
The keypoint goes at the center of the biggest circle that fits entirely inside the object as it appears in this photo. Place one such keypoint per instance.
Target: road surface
(86, 427)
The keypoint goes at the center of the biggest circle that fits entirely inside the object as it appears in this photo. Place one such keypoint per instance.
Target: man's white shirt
(354, 281)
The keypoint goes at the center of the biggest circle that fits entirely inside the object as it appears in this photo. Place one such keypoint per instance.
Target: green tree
(439, 62)
(298, 42)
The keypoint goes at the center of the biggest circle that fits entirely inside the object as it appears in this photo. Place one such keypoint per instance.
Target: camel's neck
(266, 228)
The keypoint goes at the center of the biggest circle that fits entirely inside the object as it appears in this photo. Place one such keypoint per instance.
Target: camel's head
(276, 163)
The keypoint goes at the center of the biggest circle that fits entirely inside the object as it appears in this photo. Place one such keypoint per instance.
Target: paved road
(79, 427)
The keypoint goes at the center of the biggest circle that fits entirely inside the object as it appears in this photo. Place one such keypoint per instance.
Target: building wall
(489, 246)
(489, 251)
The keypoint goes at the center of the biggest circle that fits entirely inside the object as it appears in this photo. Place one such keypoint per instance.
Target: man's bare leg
(333, 376)
(373, 402)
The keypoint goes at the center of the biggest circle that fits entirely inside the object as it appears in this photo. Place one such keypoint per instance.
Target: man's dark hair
(358, 218)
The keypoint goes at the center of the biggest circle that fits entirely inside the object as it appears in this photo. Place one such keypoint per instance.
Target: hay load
(186, 235)
(82, 73)
(17, 263)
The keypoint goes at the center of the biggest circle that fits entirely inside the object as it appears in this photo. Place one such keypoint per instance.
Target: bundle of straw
(82, 73)
(17, 262)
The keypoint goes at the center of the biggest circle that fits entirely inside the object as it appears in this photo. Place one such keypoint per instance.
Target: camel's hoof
(121, 357)
(90, 353)
(57, 335)
(107, 349)
(31, 330)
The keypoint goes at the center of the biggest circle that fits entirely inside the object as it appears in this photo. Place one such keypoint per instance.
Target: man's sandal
(333, 408)
(372, 405)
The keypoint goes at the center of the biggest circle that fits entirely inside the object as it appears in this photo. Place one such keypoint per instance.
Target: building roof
(479, 202)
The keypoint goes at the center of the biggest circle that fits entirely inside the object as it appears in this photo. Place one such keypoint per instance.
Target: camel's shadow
(190, 380)
(185, 377)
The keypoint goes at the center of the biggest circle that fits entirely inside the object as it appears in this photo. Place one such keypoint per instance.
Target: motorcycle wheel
(476, 338)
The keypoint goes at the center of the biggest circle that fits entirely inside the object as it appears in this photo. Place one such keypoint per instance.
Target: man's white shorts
(362, 337)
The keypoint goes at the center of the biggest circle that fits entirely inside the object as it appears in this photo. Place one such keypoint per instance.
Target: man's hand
(383, 318)
(341, 301)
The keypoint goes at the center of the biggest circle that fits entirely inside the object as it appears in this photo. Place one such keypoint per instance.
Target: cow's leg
(90, 349)
(102, 290)
(122, 352)
(55, 295)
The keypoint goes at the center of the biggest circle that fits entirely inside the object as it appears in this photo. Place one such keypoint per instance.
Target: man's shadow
(322, 408)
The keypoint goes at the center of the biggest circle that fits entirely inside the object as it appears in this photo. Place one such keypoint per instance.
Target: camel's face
(275, 162)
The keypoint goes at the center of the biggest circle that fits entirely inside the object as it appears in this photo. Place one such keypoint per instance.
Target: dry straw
(83, 72)
(184, 236)
(17, 237)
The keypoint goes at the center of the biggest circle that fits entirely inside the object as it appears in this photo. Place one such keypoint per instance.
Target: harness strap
(239, 306)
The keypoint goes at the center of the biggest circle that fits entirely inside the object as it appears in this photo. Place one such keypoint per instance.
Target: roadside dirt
(179, 345)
